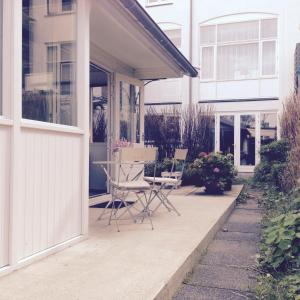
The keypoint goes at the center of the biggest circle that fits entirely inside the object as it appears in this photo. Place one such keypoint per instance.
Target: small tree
(198, 130)
(162, 129)
(290, 130)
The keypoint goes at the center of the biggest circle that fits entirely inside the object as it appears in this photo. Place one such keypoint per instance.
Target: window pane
(49, 64)
(268, 128)
(207, 35)
(207, 63)
(237, 62)
(54, 6)
(268, 28)
(67, 5)
(129, 99)
(227, 134)
(242, 31)
(247, 140)
(175, 36)
(1, 46)
(268, 58)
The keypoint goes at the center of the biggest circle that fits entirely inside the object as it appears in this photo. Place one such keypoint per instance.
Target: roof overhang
(124, 38)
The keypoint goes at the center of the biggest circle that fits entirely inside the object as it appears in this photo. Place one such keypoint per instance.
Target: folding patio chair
(129, 180)
(172, 178)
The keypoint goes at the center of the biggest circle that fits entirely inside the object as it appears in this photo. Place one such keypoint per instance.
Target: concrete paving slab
(223, 277)
(236, 253)
(136, 263)
(246, 216)
(237, 236)
(243, 227)
(190, 292)
(250, 204)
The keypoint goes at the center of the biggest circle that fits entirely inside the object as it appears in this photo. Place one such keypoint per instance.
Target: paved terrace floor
(136, 263)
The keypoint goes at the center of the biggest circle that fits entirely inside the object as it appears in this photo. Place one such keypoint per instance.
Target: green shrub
(273, 164)
(270, 288)
(281, 243)
(215, 171)
(275, 151)
(262, 172)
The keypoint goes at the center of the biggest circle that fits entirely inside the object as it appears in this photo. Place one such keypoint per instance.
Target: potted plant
(215, 171)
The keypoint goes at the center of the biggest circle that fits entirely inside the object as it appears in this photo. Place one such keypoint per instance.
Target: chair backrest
(180, 154)
(138, 154)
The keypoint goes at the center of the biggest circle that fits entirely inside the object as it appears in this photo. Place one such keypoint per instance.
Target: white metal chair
(172, 178)
(129, 180)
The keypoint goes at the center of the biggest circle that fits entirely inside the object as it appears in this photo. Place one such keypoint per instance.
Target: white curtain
(241, 31)
(268, 58)
(207, 35)
(207, 63)
(237, 61)
(1, 42)
(268, 28)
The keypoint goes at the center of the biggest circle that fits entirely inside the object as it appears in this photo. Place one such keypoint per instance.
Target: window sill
(31, 124)
(62, 13)
(159, 4)
(242, 79)
(6, 122)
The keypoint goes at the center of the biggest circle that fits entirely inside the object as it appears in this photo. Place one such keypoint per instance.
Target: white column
(16, 114)
(83, 81)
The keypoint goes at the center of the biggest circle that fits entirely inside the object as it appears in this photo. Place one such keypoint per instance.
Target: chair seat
(171, 174)
(161, 180)
(132, 185)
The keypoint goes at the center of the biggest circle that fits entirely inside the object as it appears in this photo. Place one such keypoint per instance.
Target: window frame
(259, 41)
(60, 10)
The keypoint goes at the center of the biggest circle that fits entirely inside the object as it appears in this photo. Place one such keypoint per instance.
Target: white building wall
(50, 211)
(280, 86)
(170, 16)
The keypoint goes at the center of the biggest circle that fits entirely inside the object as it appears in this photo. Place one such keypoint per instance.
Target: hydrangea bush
(215, 171)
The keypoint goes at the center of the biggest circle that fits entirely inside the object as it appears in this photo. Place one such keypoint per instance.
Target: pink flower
(202, 154)
(216, 170)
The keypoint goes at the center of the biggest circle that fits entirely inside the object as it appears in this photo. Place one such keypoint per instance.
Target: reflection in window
(49, 63)
(247, 140)
(60, 6)
(99, 110)
(227, 134)
(268, 128)
(129, 112)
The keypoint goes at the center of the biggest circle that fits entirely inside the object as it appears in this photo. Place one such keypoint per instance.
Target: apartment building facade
(245, 53)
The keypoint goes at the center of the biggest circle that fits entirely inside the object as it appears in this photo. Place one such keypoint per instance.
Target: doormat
(116, 204)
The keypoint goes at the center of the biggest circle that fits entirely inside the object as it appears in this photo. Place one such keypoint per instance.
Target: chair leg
(169, 202)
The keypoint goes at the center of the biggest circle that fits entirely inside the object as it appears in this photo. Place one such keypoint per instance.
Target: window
(175, 36)
(268, 128)
(60, 6)
(237, 62)
(1, 51)
(235, 49)
(49, 75)
(158, 2)
(207, 69)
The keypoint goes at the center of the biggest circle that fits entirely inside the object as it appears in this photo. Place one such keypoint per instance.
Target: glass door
(227, 137)
(99, 129)
(247, 142)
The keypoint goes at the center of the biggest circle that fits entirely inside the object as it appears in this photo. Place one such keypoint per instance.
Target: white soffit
(117, 35)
